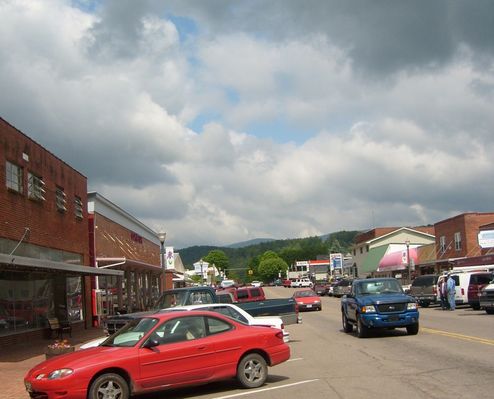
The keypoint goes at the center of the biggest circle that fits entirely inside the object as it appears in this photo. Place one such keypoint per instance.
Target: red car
(164, 350)
(307, 300)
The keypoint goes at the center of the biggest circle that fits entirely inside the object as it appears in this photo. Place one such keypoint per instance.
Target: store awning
(371, 261)
(22, 262)
(397, 260)
(125, 263)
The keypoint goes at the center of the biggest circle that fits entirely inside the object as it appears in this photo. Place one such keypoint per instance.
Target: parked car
(330, 288)
(342, 287)
(320, 289)
(227, 283)
(307, 300)
(244, 294)
(226, 309)
(424, 289)
(301, 282)
(172, 350)
(287, 283)
(486, 298)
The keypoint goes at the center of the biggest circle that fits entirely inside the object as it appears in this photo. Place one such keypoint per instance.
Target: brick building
(44, 243)
(120, 241)
(457, 241)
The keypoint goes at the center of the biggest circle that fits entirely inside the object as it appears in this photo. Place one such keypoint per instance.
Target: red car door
(185, 354)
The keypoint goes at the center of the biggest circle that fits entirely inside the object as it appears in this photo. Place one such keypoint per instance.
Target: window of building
(458, 241)
(442, 244)
(35, 187)
(78, 207)
(61, 200)
(354, 252)
(361, 250)
(366, 248)
(14, 177)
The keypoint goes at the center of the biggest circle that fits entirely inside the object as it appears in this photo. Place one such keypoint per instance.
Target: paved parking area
(17, 360)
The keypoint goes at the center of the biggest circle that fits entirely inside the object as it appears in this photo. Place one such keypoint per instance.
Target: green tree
(270, 266)
(218, 258)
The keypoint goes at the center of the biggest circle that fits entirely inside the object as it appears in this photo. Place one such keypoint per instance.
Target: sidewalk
(17, 360)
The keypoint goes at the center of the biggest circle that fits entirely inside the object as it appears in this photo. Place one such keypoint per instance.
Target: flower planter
(50, 352)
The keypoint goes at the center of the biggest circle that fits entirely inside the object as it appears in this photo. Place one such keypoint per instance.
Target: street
(451, 357)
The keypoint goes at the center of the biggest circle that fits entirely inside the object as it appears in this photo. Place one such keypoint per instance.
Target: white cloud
(341, 146)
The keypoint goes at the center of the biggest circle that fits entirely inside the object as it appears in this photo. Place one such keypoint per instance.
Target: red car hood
(82, 358)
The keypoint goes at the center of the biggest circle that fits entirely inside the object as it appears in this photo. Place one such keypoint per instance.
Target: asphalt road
(451, 357)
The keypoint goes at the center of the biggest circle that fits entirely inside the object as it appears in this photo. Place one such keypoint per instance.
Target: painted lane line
(235, 395)
(459, 336)
(295, 359)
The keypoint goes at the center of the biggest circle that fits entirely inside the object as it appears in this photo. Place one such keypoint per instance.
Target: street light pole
(162, 237)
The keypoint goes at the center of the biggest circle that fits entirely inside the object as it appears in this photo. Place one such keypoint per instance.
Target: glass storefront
(29, 298)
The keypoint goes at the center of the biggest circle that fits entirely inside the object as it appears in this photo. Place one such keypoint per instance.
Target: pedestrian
(450, 288)
(442, 293)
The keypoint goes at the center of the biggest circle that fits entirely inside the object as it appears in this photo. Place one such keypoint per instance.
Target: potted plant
(59, 347)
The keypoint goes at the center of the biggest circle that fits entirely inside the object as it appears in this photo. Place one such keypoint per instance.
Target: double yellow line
(458, 336)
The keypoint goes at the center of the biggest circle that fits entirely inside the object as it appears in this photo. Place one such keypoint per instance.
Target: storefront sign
(136, 237)
(170, 258)
(486, 239)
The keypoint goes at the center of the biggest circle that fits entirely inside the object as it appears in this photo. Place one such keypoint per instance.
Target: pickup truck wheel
(347, 326)
(362, 330)
(489, 311)
(424, 304)
(252, 371)
(413, 329)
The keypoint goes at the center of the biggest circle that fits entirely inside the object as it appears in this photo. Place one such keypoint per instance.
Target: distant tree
(218, 258)
(335, 246)
(270, 266)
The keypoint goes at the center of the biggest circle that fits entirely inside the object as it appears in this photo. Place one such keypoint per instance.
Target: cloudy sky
(222, 121)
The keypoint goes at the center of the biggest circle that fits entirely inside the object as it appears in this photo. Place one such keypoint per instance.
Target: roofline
(400, 229)
(93, 196)
(43, 147)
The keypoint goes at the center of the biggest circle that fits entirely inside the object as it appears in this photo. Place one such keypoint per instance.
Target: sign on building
(486, 239)
(170, 258)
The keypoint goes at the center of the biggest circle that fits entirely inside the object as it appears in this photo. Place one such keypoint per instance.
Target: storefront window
(25, 301)
(74, 299)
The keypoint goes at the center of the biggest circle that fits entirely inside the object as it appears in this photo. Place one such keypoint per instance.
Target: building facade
(119, 241)
(44, 244)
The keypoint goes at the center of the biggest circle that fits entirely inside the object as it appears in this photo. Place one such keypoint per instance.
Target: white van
(227, 283)
(301, 282)
(466, 282)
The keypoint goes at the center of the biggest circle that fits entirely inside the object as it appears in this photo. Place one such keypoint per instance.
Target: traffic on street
(451, 356)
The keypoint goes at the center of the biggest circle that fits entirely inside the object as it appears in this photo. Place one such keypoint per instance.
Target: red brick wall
(48, 227)
(113, 240)
(468, 225)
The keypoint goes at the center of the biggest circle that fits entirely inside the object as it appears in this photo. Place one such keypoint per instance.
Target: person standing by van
(450, 286)
(443, 295)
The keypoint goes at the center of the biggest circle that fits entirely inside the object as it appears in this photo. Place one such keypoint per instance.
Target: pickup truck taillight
(434, 290)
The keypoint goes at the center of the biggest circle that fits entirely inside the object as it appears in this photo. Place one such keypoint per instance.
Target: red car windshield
(131, 333)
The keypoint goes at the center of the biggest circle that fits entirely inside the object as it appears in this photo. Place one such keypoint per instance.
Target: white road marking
(294, 359)
(265, 389)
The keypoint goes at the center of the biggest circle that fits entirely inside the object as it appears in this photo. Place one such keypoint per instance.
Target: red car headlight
(55, 374)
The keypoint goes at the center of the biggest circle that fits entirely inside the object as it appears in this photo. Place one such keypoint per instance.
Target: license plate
(393, 318)
(309, 306)
(28, 386)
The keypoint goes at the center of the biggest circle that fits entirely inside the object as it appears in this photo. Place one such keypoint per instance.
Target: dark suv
(424, 289)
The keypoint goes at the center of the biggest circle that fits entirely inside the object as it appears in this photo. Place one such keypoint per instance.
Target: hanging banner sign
(170, 258)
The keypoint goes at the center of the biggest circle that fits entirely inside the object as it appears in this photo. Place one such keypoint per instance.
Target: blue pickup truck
(378, 303)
